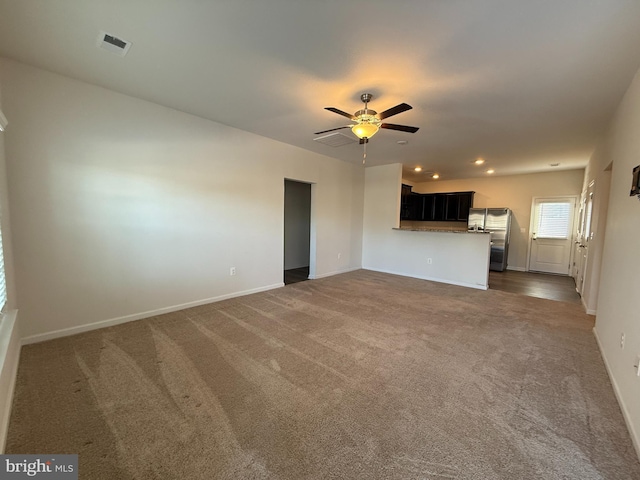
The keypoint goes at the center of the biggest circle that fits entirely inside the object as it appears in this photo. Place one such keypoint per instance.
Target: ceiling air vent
(335, 139)
(113, 44)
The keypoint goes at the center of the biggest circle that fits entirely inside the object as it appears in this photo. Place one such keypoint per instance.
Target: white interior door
(585, 238)
(551, 235)
(579, 241)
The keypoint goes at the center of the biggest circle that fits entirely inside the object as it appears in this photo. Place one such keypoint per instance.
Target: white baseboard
(9, 360)
(635, 439)
(516, 269)
(336, 272)
(590, 311)
(65, 332)
(432, 279)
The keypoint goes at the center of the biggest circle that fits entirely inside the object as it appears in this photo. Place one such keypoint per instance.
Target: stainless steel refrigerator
(496, 221)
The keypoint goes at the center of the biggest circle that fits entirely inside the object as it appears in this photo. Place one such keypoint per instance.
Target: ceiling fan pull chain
(364, 157)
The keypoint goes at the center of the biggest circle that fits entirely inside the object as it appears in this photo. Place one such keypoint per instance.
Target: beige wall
(122, 208)
(515, 192)
(618, 311)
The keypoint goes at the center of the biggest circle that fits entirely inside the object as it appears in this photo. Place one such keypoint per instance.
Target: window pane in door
(554, 220)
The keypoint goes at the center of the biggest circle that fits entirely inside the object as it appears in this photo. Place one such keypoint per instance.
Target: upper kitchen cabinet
(458, 205)
(440, 207)
(407, 203)
(465, 202)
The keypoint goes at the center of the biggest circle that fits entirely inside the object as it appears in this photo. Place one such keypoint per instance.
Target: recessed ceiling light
(490, 171)
(554, 164)
(436, 176)
(418, 169)
(479, 161)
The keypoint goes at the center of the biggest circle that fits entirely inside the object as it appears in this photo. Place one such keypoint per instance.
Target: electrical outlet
(232, 271)
(429, 261)
(622, 341)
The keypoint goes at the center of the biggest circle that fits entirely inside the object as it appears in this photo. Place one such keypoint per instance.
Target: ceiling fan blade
(402, 128)
(332, 129)
(340, 112)
(403, 107)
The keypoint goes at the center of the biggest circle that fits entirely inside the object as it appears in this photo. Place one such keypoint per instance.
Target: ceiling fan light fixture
(367, 122)
(364, 130)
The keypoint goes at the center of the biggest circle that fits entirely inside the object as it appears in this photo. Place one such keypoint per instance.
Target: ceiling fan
(367, 122)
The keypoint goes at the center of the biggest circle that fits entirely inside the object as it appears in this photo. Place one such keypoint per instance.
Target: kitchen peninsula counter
(437, 253)
(434, 229)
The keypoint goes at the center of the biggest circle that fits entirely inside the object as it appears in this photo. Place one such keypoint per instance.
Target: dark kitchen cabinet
(451, 204)
(420, 207)
(407, 203)
(429, 206)
(439, 207)
(457, 206)
(412, 207)
(465, 202)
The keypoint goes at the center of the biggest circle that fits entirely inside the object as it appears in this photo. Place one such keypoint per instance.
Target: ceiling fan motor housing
(366, 97)
(366, 112)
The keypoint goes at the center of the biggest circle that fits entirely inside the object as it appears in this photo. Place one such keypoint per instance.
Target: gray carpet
(357, 376)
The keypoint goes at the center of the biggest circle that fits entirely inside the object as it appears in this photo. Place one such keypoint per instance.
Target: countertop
(434, 229)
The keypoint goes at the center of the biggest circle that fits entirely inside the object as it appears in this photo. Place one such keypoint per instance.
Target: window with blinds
(3, 280)
(554, 220)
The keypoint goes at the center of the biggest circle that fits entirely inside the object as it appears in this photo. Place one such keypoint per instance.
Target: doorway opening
(297, 231)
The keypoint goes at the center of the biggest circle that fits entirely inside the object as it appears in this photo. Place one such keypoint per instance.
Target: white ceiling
(520, 83)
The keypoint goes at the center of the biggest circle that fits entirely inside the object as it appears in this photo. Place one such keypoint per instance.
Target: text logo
(49, 467)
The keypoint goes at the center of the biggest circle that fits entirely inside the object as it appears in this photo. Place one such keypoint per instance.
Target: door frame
(532, 218)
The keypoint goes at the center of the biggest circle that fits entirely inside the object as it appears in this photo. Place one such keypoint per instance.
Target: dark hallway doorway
(297, 228)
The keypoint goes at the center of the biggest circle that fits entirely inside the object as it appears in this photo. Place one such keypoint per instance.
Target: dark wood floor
(296, 275)
(552, 287)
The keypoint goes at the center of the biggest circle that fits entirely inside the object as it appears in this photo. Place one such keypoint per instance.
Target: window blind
(3, 283)
(554, 220)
